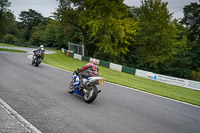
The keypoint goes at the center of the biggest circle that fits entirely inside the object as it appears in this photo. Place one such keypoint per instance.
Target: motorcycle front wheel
(90, 94)
(37, 63)
(70, 88)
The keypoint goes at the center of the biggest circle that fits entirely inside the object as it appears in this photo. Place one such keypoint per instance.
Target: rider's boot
(80, 87)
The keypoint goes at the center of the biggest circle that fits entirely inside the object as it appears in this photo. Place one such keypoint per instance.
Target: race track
(40, 96)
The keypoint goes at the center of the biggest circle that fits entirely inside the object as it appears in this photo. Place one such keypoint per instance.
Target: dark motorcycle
(90, 90)
(37, 58)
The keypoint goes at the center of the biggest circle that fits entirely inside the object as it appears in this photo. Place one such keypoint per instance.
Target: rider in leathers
(40, 50)
(93, 70)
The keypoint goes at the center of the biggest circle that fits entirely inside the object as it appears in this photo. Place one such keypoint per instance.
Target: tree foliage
(144, 37)
(9, 38)
(192, 19)
(106, 20)
(158, 38)
(4, 4)
(30, 19)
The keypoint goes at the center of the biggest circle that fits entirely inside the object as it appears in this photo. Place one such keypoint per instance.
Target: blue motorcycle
(90, 91)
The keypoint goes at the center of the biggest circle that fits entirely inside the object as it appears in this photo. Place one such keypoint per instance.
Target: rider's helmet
(93, 60)
(42, 47)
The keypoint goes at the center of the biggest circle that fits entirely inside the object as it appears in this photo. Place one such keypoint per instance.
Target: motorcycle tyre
(37, 62)
(94, 95)
(33, 62)
(71, 91)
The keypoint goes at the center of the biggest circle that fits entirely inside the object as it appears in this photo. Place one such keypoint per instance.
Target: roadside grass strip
(12, 50)
(170, 91)
(8, 45)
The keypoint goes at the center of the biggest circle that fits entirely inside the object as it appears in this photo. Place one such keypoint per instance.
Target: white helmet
(93, 60)
(42, 47)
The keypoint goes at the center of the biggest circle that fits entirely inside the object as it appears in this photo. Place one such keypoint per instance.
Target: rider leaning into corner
(40, 51)
(92, 70)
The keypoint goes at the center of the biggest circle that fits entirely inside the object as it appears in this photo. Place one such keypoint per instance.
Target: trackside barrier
(77, 56)
(62, 50)
(140, 73)
(116, 67)
(168, 79)
(85, 58)
(71, 54)
(65, 52)
(104, 63)
(128, 70)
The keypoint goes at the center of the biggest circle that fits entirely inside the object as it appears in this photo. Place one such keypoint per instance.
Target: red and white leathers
(92, 69)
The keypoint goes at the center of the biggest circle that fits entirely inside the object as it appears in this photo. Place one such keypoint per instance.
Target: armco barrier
(128, 70)
(77, 56)
(116, 67)
(141, 73)
(169, 80)
(104, 63)
(85, 58)
(65, 52)
(71, 54)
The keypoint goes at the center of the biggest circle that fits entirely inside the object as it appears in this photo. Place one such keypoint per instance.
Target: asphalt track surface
(40, 96)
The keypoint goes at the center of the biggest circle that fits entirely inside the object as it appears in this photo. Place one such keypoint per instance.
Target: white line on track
(24, 122)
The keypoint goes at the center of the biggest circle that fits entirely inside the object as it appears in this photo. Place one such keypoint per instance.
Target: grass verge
(8, 45)
(12, 50)
(179, 93)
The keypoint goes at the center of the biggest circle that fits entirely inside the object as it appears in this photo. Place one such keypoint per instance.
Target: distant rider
(40, 50)
(92, 70)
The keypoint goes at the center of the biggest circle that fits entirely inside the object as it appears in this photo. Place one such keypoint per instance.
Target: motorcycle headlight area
(101, 81)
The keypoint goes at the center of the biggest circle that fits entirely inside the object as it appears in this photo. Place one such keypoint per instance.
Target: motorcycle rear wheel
(91, 94)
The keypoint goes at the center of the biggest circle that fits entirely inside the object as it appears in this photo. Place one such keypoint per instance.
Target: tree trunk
(84, 40)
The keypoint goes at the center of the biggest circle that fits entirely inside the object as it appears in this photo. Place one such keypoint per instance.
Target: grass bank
(8, 45)
(12, 50)
(179, 93)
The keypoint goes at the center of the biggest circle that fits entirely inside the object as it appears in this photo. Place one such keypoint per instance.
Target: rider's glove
(76, 72)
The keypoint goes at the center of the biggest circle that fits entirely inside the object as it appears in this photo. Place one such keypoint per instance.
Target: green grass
(179, 93)
(8, 45)
(12, 50)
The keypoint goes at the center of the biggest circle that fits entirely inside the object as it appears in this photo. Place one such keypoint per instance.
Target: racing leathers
(92, 70)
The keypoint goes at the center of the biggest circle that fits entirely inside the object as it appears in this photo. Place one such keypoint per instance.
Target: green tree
(158, 38)
(53, 35)
(112, 28)
(29, 19)
(11, 24)
(4, 4)
(68, 13)
(9, 38)
(37, 34)
(106, 21)
(192, 20)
